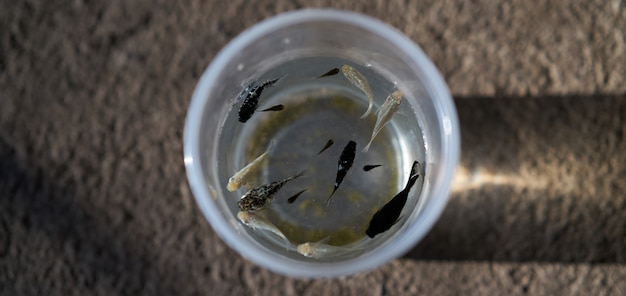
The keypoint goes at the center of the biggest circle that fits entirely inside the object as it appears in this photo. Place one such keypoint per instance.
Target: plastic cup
(308, 33)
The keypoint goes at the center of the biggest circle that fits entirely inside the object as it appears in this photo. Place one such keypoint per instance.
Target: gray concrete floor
(94, 197)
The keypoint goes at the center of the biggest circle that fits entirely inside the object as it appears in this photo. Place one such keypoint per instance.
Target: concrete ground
(94, 197)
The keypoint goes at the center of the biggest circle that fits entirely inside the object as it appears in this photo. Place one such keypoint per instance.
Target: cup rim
(384, 253)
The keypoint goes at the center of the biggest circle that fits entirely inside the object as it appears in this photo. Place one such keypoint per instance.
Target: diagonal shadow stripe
(540, 179)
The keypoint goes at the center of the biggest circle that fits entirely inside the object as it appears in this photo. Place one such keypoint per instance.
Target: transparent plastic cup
(307, 33)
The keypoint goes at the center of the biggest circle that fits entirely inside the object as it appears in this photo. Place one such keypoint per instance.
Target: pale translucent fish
(320, 249)
(386, 111)
(357, 79)
(255, 220)
(240, 177)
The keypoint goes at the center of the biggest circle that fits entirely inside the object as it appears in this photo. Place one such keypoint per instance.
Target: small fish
(258, 197)
(345, 163)
(320, 249)
(239, 178)
(255, 220)
(328, 144)
(386, 111)
(332, 72)
(252, 93)
(274, 108)
(295, 196)
(357, 79)
(389, 214)
(370, 167)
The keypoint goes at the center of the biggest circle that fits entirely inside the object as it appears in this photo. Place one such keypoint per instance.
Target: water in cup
(314, 186)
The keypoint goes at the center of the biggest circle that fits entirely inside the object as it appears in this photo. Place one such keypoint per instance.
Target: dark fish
(258, 197)
(295, 196)
(328, 144)
(274, 108)
(370, 167)
(332, 72)
(252, 93)
(345, 163)
(389, 214)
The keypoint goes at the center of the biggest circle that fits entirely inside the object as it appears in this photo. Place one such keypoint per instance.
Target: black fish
(328, 144)
(274, 108)
(389, 214)
(370, 167)
(252, 93)
(332, 72)
(345, 163)
(295, 196)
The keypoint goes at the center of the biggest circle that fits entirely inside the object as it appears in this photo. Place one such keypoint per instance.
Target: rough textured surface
(94, 199)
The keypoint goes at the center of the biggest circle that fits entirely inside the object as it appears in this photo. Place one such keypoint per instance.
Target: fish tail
(270, 82)
(330, 196)
(334, 71)
(412, 181)
(324, 240)
(269, 149)
(300, 174)
(368, 111)
(273, 81)
(367, 147)
(280, 234)
(414, 175)
(271, 146)
(374, 134)
(415, 168)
